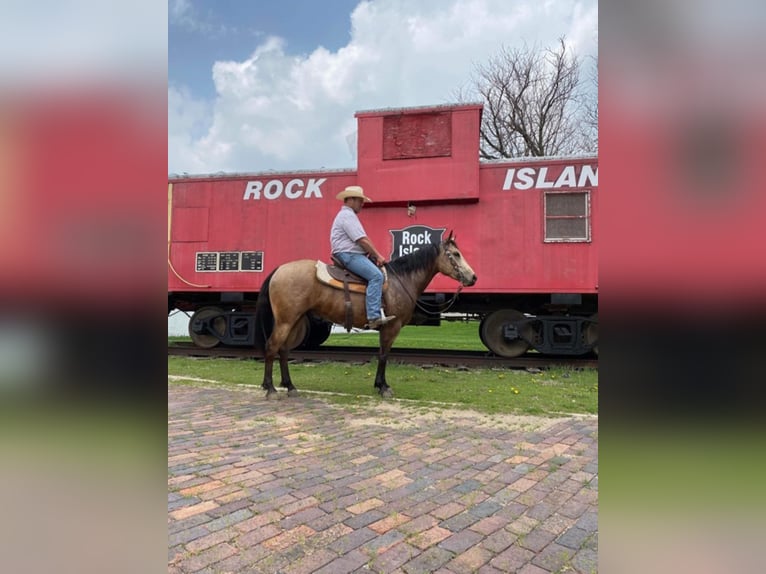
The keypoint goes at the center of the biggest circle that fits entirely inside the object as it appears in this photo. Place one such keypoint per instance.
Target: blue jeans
(359, 264)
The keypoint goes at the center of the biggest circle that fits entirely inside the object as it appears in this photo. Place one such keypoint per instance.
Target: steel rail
(423, 357)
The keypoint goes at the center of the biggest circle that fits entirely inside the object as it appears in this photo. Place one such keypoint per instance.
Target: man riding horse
(350, 245)
(295, 289)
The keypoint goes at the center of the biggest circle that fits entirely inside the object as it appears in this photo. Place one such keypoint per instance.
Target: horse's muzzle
(471, 281)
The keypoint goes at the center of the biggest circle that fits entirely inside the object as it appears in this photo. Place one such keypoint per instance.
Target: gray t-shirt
(345, 231)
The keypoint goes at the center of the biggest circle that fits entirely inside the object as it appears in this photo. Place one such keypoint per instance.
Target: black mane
(423, 258)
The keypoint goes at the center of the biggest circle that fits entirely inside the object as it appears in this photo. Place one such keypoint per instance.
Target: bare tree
(590, 109)
(533, 103)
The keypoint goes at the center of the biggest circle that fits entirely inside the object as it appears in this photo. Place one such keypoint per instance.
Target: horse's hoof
(386, 393)
(271, 395)
(292, 393)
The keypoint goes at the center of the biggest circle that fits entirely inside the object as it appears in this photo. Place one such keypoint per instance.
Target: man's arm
(367, 245)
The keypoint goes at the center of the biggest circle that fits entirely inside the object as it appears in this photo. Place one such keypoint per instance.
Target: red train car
(528, 227)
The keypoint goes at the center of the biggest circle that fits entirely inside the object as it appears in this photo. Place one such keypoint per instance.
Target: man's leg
(359, 264)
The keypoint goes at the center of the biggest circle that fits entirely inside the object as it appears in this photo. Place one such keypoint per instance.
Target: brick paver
(301, 486)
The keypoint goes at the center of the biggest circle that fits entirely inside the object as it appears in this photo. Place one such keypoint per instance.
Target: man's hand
(379, 261)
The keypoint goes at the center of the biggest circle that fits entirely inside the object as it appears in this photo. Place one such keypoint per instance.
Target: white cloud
(279, 111)
(190, 120)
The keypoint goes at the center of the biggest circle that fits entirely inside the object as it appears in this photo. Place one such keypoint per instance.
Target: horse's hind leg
(285, 372)
(268, 381)
(275, 347)
(268, 365)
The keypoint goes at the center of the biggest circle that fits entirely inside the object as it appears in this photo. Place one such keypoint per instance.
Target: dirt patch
(399, 414)
(404, 414)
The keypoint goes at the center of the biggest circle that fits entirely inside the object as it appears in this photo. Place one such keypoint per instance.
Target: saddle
(338, 277)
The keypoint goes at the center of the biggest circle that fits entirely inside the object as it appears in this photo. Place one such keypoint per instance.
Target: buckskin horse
(293, 290)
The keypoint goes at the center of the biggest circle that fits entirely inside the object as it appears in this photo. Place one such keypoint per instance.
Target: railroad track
(475, 359)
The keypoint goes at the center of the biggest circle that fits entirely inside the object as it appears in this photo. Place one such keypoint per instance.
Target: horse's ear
(450, 238)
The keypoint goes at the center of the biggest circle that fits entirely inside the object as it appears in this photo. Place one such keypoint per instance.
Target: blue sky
(200, 32)
(262, 85)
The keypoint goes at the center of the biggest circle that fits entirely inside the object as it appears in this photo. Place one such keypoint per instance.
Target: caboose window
(567, 217)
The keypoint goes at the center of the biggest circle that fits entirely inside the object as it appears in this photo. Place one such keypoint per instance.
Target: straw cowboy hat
(353, 191)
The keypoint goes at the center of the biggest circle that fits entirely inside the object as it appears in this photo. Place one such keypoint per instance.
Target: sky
(274, 85)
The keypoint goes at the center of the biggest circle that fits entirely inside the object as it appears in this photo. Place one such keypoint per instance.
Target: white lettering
(541, 182)
(509, 178)
(588, 174)
(525, 176)
(409, 238)
(253, 189)
(289, 193)
(567, 177)
(313, 187)
(537, 178)
(273, 189)
(293, 189)
(405, 249)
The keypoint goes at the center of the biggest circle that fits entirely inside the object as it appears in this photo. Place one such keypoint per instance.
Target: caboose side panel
(238, 235)
(537, 232)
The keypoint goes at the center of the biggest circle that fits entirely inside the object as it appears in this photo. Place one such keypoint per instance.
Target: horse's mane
(423, 258)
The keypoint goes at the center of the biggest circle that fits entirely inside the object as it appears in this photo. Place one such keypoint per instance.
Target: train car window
(567, 217)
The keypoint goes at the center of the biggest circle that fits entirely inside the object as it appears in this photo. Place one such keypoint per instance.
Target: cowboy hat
(353, 191)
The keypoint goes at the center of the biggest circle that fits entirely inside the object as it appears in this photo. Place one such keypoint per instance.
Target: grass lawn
(551, 392)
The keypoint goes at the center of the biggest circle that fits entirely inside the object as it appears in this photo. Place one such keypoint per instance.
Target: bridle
(456, 267)
(438, 308)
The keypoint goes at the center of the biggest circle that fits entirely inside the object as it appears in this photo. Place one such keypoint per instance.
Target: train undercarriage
(509, 325)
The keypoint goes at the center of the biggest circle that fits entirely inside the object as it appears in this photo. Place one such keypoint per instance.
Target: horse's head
(452, 263)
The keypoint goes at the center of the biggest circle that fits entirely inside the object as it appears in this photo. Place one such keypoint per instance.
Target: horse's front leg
(380, 377)
(387, 336)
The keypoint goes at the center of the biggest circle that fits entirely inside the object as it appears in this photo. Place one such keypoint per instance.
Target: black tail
(264, 316)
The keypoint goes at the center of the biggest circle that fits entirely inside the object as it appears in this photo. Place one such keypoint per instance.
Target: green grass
(551, 392)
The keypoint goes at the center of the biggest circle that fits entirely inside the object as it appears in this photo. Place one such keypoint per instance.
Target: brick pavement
(296, 486)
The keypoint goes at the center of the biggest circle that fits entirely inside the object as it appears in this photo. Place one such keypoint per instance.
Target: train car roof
(415, 109)
(261, 174)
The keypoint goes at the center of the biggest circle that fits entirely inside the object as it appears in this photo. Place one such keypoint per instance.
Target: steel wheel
(591, 333)
(319, 331)
(491, 333)
(217, 323)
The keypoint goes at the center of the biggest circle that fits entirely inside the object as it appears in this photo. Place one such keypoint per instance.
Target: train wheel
(319, 331)
(217, 322)
(591, 333)
(492, 335)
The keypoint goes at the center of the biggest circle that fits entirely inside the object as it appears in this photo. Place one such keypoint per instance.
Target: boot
(378, 323)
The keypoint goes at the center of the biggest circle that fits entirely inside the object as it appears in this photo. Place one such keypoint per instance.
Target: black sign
(412, 238)
(207, 261)
(228, 261)
(252, 261)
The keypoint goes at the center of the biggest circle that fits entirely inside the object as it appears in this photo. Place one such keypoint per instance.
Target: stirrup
(378, 323)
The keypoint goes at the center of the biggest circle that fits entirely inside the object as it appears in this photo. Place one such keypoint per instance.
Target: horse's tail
(264, 315)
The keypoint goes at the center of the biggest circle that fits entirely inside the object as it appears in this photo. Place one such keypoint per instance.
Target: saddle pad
(323, 275)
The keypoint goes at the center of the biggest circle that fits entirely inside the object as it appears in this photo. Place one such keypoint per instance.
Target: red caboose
(528, 227)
